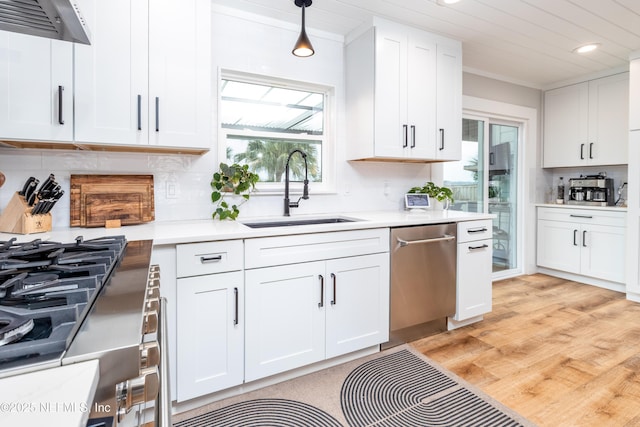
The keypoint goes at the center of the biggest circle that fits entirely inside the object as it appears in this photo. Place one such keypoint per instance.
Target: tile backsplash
(182, 182)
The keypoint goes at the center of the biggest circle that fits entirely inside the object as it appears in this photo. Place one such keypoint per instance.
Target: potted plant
(441, 194)
(236, 180)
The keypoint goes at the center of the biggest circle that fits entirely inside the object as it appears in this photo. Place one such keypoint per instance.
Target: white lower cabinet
(210, 319)
(582, 241)
(302, 313)
(473, 270)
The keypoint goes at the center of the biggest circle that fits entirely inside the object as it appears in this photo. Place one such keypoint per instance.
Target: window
(262, 120)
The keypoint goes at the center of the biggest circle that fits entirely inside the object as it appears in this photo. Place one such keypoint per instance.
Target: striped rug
(398, 387)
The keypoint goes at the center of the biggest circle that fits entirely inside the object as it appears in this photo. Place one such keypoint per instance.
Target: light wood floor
(558, 352)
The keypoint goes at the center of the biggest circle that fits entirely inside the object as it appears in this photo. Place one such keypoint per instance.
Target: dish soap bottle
(560, 195)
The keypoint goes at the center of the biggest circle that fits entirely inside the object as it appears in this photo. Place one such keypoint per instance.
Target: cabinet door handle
(581, 151)
(321, 303)
(405, 136)
(210, 259)
(491, 159)
(441, 139)
(157, 114)
(413, 136)
(477, 230)
(139, 112)
(575, 232)
(476, 248)
(581, 216)
(60, 99)
(333, 278)
(591, 150)
(235, 295)
(584, 238)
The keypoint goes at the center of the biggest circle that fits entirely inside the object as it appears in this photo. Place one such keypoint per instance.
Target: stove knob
(153, 293)
(149, 355)
(153, 283)
(137, 391)
(152, 304)
(150, 325)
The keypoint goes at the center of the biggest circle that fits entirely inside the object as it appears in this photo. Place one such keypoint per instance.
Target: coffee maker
(593, 190)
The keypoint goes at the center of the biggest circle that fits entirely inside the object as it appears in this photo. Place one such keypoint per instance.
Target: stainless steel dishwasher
(423, 281)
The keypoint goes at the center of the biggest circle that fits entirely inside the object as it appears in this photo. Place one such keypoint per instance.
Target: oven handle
(163, 401)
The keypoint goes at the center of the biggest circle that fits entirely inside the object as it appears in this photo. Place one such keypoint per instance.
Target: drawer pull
(477, 230)
(581, 216)
(477, 248)
(210, 259)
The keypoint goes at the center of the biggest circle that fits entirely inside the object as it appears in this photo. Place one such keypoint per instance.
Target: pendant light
(303, 45)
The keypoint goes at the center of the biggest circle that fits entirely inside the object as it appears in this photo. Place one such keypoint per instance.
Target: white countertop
(174, 232)
(56, 397)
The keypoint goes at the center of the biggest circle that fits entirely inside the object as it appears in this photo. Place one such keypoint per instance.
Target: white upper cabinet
(146, 78)
(634, 101)
(587, 123)
(449, 96)
(36, 88)
(404, 94)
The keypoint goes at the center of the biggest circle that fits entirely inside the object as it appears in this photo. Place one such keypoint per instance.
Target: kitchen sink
(293, 222)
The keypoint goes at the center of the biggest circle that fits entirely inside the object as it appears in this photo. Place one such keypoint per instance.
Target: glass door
(503, 193)
(486, 180)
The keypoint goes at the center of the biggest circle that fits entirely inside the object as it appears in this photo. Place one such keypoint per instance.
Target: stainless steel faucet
(305, 191)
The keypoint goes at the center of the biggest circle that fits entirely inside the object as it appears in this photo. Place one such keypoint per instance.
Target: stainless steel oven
(86, 300)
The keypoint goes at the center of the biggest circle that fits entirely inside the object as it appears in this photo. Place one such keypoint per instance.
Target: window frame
(328, 149)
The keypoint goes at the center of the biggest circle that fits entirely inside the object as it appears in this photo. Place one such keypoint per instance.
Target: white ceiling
(522, 41)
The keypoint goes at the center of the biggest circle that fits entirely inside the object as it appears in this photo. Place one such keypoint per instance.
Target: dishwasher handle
(444, 238)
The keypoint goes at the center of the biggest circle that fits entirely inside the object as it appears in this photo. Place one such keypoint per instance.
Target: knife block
(17, 218)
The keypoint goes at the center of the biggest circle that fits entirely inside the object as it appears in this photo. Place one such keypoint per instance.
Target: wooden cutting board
(97, 200)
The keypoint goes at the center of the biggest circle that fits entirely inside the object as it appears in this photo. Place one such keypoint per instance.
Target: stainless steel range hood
(54, 19)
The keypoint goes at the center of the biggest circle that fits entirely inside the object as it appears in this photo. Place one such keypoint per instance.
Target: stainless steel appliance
(423, 281)
(593, 190)
(62, 303)
(54, 19)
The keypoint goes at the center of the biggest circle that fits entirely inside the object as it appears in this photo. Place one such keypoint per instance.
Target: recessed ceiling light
(585, 48)
(446, 2)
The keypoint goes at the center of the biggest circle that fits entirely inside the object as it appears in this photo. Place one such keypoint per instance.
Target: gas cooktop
(46, 290)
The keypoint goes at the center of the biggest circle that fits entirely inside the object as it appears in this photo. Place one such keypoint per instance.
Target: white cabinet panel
(111, 75)
(473, 269)
(473, 293)
(285, 319)
(358, 303)
(559, 245)
(634, 91)
(180, 73)
(449, 97)
(35, 75)
(210, 332)
(603, 252)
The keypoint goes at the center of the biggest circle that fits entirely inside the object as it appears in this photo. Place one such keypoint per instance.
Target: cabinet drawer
(281, 250)
(196, 259)
(583, 216)
(474, 230)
